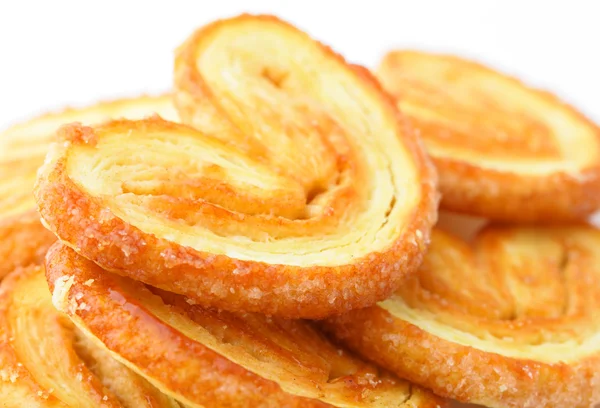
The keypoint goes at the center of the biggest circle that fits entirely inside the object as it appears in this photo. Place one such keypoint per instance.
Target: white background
(56, 53)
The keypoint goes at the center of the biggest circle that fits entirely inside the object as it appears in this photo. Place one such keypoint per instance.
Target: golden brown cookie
(510, 320)
(23, 239)
(46, 362)
(298, 192)
(503, 150)
(215, 358)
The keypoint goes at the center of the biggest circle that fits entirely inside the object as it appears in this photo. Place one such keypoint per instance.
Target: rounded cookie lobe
(23, 239)
(503, 150)
(215, 358)
(510, 320)
(45, 362)
(296, 190)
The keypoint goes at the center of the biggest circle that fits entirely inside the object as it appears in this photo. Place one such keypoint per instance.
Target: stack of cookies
(267, 235)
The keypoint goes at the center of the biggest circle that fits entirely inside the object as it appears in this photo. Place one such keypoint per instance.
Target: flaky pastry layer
(23, 240)
(298, 191)
(217, 359)
(45, 362)
(510, 320)
(503, 150)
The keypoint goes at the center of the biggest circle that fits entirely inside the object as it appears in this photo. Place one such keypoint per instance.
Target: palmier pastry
(503, 150)
(510, 321)
(217, 359)
(23, 240)
(298, 192)
(46, 362)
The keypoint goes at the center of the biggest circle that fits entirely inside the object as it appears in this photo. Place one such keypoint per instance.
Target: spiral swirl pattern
(503, 150)
(509, 320)
(298, 192)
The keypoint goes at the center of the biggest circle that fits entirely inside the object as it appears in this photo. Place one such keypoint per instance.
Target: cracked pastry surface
(298, 192)
(509, 320)
(46, 362)
(23, 239)
(503, 150)
(217, 359)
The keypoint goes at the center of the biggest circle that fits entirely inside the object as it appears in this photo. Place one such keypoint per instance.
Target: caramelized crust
(301, 195)
(508, 321)
(46, 362)
(23, 239)
(503, 150)
(217, 359)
